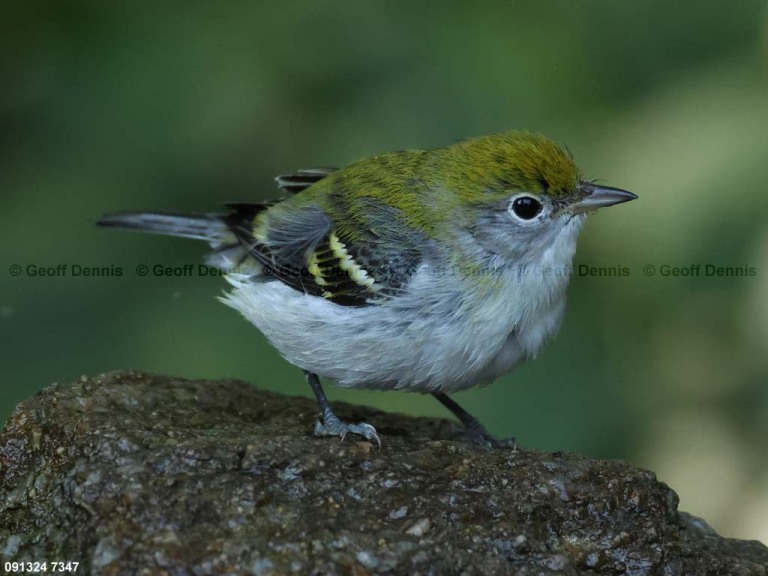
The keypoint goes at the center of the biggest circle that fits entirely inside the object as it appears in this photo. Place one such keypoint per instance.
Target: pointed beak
(600, 197)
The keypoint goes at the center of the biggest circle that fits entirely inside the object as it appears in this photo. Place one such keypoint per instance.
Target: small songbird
(422, 270)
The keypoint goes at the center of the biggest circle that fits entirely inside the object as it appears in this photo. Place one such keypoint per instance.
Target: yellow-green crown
(516, 160)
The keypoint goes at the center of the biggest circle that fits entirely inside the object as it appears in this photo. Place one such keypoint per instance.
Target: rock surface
(130, 473)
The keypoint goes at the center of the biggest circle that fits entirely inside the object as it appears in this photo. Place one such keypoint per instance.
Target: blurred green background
(108, 106)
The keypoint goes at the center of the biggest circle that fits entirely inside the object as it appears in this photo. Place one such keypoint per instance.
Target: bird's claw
(332, 426)
(508, 443)
(483, 438)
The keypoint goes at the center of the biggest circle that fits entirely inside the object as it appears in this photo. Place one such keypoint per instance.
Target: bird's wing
(302, 179)
(349, 263)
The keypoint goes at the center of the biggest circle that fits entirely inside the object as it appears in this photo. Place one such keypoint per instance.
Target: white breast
(437, 336)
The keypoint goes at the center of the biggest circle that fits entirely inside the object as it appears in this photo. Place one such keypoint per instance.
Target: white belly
(441, 343)
(444, 332)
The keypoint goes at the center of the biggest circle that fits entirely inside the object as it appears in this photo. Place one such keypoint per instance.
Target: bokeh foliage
(174, 105)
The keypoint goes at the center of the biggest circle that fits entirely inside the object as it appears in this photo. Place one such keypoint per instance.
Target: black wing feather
(302, 179)
(306, 250)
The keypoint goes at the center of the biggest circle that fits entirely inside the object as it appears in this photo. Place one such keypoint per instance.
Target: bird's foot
(474, 430)
(332, 426)
(479, 435)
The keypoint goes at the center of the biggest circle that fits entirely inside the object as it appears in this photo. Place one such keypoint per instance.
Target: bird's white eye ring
(525, 207)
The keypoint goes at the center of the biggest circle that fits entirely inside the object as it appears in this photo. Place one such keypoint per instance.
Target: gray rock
(130, 473)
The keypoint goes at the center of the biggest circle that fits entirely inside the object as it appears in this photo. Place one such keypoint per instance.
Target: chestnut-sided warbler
(421, 270)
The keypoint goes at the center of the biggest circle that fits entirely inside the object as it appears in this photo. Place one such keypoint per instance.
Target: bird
(428, 271)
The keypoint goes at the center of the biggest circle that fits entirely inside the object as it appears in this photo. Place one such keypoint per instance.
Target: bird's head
(522, 193)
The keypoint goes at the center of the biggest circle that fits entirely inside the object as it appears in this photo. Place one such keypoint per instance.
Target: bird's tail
(228, 252)
(228, 234)
(208, 227)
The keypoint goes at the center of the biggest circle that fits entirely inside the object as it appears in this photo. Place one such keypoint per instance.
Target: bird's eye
(526, 208)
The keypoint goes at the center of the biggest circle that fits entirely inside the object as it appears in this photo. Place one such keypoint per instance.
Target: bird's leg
(476, 431)
(331, 425)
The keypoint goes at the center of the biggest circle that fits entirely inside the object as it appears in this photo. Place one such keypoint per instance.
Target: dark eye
(526, 208)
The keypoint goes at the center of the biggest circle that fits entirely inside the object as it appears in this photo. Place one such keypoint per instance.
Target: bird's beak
(599, 197)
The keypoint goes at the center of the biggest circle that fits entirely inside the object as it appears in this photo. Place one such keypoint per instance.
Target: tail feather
(208, 227)
(227, 234)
